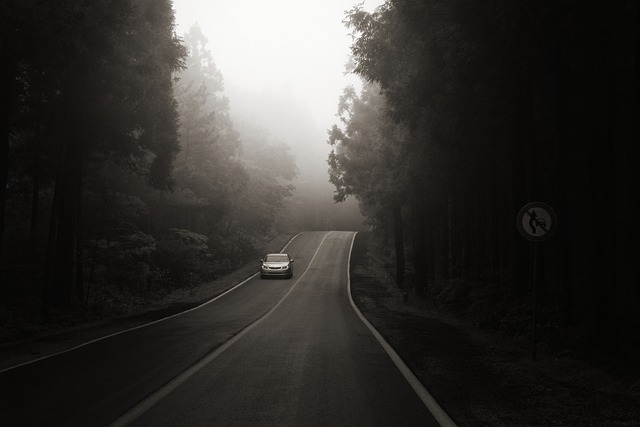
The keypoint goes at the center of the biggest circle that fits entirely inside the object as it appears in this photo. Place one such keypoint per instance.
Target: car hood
(276, 264)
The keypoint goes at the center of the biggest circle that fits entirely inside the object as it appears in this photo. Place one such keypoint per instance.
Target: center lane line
(164, 391)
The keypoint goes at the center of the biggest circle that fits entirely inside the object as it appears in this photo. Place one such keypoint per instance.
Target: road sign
(536, 221)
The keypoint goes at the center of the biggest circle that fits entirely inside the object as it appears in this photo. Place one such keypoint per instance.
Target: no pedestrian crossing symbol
(536, 221)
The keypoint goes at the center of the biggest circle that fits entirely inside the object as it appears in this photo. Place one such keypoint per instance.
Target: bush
(185, 256)
(123, 261)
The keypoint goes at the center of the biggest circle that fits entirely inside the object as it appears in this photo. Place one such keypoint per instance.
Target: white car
(276, 265)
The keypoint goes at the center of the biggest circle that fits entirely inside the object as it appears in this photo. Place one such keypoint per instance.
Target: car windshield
(277, 258)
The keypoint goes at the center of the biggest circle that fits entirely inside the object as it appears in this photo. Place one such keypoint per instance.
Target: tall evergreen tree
(367, 162)
(504, 103)
(99, 76)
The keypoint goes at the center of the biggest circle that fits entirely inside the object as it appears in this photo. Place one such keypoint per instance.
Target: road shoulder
(24, 349)
(480, 378)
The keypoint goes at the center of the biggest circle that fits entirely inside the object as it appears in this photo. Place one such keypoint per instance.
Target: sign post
(536, 222)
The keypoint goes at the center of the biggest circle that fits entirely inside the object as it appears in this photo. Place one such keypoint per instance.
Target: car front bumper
(276, 273)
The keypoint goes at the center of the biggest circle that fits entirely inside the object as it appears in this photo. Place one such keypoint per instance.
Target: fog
(283, 66)
(501, 197)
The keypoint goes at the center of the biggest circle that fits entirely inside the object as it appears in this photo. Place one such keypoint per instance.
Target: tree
(98, 79)
(271, 168)
(366, 161)
(506, 103)
(229, 187)
(208, 166)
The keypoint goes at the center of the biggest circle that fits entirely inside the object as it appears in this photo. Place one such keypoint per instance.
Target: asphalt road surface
(268, 353)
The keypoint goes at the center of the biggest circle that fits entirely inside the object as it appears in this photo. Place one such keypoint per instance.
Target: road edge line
(151, 400)
(144, 325)
(436, 410)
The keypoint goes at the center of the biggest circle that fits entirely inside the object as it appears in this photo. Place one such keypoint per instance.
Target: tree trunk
(4, 171)
(627, 183)
(6, 99)
(35, 186)
(431, 245)
(399, 245)
(50, 264)
(61, 284)
(419, 250)
(450, 248)
(68, 226)
(79, 285)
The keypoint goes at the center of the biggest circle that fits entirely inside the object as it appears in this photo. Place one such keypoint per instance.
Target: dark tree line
(473, 109)
(121, 171)
(86, 82)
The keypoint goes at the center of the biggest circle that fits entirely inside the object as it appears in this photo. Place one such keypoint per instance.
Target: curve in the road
(143, 406)
(124, 331)
(440, 415)
(151, 388)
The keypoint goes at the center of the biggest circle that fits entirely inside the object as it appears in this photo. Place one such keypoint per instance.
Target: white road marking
(164, 391)
(438, 413)
(143, 325)
(443, 419)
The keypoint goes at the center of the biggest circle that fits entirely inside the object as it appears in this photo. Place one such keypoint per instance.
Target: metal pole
(534, 299)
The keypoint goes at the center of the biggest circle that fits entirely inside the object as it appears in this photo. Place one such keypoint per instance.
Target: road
(269, 352)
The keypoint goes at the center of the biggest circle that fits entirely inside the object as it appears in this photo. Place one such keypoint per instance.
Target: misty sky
(289, 51)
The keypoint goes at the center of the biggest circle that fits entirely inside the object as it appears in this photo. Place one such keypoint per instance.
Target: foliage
(122, 174)
(124, 262)
(270, 168)
(186, 255)
(489, 106)
(365, 161)
(232, 190)
(96, 78)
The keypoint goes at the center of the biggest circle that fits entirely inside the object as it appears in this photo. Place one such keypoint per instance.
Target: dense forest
(122, 173)
(469, 111)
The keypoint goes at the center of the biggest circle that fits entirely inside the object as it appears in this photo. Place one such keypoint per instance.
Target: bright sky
(296, 47)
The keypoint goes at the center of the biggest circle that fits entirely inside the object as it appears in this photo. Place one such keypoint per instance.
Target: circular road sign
(536, 221)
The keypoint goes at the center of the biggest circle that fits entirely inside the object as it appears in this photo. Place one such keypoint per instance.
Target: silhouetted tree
(229, 190)
(97, 79)
(505, 103)
(366, 161)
